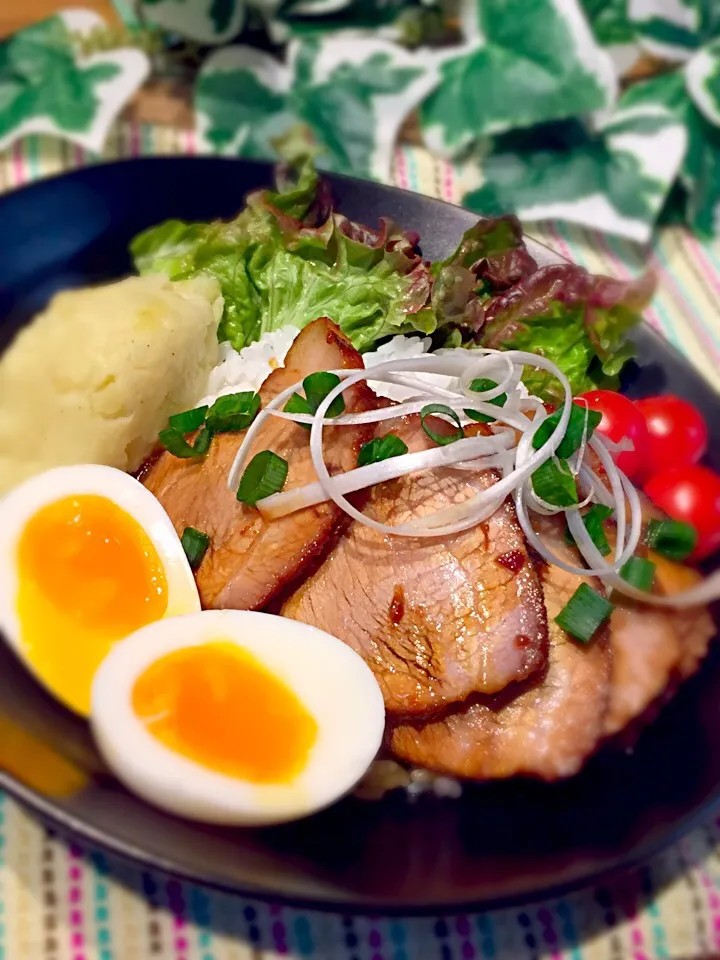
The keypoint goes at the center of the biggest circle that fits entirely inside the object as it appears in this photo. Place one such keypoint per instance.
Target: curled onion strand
(507, 449)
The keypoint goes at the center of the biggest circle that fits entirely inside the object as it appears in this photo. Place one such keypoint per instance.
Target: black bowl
(499, 843)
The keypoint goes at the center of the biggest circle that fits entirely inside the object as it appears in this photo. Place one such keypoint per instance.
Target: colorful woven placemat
(61, 903)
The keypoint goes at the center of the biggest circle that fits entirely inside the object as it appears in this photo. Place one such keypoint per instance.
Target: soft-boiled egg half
(87, 556)
(236, 717)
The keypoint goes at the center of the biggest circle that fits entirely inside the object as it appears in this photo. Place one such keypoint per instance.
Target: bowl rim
(72, 827)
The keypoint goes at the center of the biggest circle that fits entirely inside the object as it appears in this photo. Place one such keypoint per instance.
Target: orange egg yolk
(217, 705)
(88, 576)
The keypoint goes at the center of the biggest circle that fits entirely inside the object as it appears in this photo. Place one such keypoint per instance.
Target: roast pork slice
(545, 728)
(250, 559)
(654, 648)
(435, 618)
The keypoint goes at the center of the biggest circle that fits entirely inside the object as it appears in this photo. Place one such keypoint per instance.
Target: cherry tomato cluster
(669, 437)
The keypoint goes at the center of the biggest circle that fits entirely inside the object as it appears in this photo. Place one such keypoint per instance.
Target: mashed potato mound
(94, 377)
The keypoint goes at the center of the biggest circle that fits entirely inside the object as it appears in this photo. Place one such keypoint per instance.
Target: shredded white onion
(508, 449)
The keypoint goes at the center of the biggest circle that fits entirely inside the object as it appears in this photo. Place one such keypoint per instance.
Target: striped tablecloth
(62, 903)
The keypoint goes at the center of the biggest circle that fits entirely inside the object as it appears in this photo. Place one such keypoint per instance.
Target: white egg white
(21, 503)
(332, 682)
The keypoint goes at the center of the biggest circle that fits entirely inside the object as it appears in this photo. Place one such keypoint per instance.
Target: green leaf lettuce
(288, 258)
(576, 320)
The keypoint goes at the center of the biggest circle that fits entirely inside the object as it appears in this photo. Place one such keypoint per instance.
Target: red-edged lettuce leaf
(577, 320)
(289, 258)
(494, 251)
(491, 257)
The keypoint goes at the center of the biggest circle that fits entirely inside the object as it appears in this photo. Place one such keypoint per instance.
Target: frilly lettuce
(493, 251)
(490, 257)
(577, 320)
(289, 258)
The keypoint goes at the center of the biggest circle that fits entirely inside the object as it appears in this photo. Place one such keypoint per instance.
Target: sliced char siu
(250, 559)
(654, 648)
(546, 727)
(435, 618)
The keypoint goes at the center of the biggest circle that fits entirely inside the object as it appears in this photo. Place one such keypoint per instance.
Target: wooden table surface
(15, 14)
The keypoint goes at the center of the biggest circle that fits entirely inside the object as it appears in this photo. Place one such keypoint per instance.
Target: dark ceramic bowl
(499, 843)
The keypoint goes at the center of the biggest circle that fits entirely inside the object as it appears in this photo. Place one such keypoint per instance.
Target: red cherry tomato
(677, 432)
(691, 494)
(620, 419)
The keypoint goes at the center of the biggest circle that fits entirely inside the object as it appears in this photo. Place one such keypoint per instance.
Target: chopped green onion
(298, 404)
(638, 572)
(236, 411)
(440, 438)
(554, 483)
(195, 545)
(594, 520)
(480, 386)
(202, 442)
(189, 420)
(317, 386)
(574, 431)
(381, 448)
(176, 444)
(584, 613)
(264, 475)
(671, 538)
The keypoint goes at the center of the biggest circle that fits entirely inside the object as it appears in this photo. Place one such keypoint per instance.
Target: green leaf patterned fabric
(702, 78)
(239, 106)
(47, 87)
(39, 76)
(206, 21)
(221, 14)
(610, 21)
(527, 62)
(523, 94)
(310, 17)
(700, 175)
(332, 88)
(618, 176)
(669, 29)
(700, 169)
(341, 110)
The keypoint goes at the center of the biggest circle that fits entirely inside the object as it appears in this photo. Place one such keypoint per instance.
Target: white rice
(247, 369)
